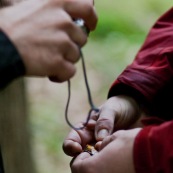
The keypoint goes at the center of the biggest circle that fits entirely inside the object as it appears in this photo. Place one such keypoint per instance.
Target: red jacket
(150, 80)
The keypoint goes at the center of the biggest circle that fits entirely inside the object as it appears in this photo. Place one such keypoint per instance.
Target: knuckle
(108, 138)
(112, 137)
(83, 40)
(68, 23)
(104, 123)
(56, 62)
(66, 42)
(119, 133)
(53, 63)
(75, 55)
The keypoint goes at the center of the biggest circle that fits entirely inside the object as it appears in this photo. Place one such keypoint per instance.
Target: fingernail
(102, 134)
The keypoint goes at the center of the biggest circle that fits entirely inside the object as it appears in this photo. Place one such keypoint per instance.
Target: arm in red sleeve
(153, 151)
(150, 76)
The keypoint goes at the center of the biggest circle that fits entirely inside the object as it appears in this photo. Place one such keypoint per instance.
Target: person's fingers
(82, 157)
(109, 139)
(120, 137)
(72, 148)
(95, 114)
(69, 49)
(64, 69)
(64, 23)
(72, 144)
(98, 145)
(76, 141)
(77, 162)
(92, 122)
(73, 53)
(64, 72)
(73, 30)
(83, 10)
(105, 123)
(106, 141)
(77, 34)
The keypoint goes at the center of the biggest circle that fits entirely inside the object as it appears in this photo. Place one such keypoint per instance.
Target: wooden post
(14, 131)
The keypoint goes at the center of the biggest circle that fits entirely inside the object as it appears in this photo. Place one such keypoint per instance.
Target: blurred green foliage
(127, 17)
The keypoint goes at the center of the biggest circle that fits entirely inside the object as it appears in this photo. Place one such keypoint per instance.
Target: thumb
(105, 123)
(83, 156)
(78, 160)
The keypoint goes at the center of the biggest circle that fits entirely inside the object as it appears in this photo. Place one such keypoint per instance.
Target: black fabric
(1, 164)
(11, 65)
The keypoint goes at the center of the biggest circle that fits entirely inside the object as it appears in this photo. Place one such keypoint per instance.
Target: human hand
(45, 35)
(77, 140)
(116, 155)
(118, 112)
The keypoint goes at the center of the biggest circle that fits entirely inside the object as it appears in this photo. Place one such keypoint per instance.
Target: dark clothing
(11, 65)
(1, 164)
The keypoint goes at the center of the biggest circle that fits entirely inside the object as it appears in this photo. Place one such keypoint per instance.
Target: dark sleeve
(1, 163)
(150, 76)
(11, 65)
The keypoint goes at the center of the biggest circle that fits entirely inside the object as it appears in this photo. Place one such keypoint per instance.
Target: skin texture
(115, 146)
(116, 155)
(45, 35)
(119, 112)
